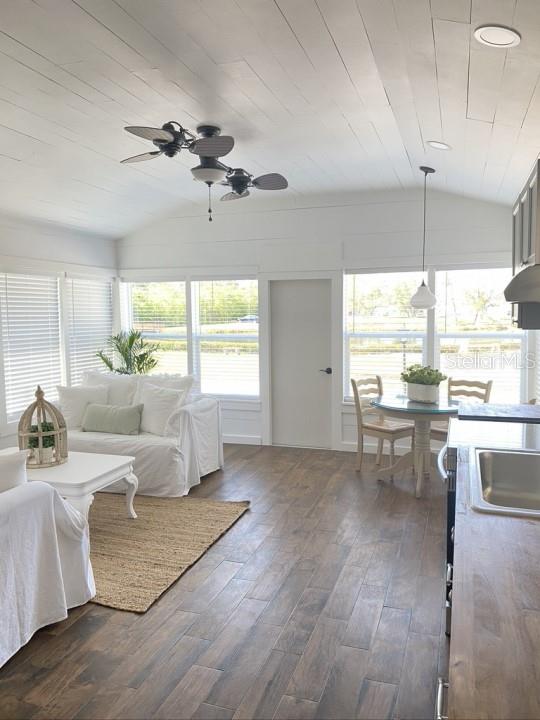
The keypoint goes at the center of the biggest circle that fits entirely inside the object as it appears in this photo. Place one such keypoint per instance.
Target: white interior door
(300, 340)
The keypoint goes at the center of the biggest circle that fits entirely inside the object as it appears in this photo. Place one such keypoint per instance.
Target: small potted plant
(423, 383)
(47, 453)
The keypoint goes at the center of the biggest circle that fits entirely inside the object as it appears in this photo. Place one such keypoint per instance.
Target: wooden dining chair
(462, 389)
(372, 422)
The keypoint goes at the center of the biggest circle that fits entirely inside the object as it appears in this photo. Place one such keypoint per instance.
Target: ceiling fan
(209, 145)
(172, 137)
(240, 180)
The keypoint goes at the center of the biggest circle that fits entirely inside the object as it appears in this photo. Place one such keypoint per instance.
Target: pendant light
(423, 298)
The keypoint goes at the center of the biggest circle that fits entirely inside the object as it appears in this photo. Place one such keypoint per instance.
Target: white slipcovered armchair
(44, 563)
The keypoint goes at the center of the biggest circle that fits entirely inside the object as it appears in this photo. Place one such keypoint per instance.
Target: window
(472, 339)
(226, 336)
(30, 318)
(383, 333)
(90, 315)
(475, 335)
(158, 309)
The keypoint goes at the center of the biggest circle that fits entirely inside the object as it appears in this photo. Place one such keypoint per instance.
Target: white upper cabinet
(525, 230)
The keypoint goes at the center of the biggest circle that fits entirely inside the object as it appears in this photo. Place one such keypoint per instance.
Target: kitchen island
(494, 668)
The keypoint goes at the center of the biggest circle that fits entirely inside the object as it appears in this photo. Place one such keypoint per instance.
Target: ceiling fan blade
(149, 133)
(234, 196)
(144, 156)
(216, 146)
(271, 181)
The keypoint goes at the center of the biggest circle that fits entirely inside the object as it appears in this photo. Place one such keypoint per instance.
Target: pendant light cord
(424, 238)
(423, 298)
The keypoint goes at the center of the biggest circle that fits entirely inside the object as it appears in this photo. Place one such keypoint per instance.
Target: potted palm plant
(136, 355)
(423, 383)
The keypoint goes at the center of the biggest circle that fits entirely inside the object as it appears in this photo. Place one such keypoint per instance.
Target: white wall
(379, 229)
(30, 243)
(372, 230)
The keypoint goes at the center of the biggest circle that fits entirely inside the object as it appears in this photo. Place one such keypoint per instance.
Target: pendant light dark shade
(423, 298)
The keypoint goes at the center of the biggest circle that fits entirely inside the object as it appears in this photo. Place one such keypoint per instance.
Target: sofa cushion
(181, 383)
(159, 404)
(119, 419)
(122, 388)
(13, 470)
(73, 401)
(159, 464)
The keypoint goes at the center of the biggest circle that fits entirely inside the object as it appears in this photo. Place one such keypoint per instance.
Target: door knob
(328, 371)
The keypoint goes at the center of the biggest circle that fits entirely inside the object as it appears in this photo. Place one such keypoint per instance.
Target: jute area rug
(135, 561)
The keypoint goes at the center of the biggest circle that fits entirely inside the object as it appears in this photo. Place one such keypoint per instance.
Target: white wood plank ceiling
(338, 95)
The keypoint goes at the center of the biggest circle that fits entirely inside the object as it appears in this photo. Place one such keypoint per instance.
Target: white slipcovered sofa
(165, 465)
(44, 563)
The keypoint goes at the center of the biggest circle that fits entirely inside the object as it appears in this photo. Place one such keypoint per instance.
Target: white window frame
(397, 334)
(524, 379)
(127, 313)
(65, 314)
(193, 337)
(197, 337)
(431, 346)
(9, 428)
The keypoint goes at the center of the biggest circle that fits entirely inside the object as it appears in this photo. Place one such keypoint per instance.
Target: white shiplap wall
(24, 243)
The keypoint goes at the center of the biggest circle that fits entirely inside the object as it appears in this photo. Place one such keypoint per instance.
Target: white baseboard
(370, 446)
(242, 439)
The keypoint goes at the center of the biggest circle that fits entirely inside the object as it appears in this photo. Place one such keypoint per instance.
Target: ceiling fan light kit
(171, 138)
(209, 170)
(423, 298)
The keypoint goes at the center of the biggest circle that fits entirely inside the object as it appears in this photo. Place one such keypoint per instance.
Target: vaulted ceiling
(338, 95)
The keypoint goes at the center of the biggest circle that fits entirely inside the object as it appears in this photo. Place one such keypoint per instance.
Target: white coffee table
(85, 474)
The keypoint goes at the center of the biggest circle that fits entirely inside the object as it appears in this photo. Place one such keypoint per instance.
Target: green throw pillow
(114, 419)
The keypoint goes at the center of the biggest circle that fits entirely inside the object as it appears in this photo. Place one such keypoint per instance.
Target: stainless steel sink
(505, 481)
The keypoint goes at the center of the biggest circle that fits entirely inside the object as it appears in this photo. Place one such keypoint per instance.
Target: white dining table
(422, 414)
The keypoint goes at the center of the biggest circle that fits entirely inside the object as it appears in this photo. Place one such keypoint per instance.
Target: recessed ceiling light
(497, 36)
(438, 144)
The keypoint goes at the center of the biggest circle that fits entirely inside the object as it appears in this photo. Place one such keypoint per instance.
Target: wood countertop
(494, 667)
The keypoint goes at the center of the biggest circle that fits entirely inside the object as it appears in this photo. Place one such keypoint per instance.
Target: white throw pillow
(159, 404)
(73, 401)
(13, 470)
(122, 388)
(182, 383)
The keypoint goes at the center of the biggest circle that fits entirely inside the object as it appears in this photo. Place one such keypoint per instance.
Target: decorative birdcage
(42, 431)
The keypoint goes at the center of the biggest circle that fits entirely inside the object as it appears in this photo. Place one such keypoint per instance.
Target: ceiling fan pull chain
(209, 202)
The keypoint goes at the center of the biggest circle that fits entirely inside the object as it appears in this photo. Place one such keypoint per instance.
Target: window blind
(30, 318)
(226, 336)
(383, 333)
(476, 338)
(158, 309)
(90, 318)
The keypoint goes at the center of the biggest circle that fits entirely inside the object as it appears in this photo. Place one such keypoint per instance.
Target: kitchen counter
(494, 669)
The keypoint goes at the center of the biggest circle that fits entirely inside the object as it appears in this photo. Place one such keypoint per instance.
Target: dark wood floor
(324, 601)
